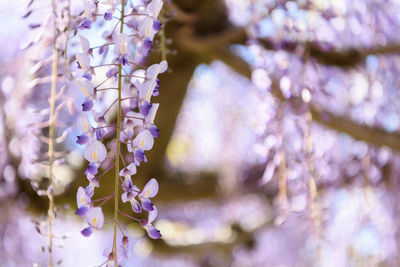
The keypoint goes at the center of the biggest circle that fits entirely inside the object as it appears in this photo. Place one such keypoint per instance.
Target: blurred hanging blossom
(53, 116)
(134, 86)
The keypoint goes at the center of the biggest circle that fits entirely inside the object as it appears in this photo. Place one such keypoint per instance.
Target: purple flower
(156, 91)
(152, 232)
(155, 132)
(82, 199)
(149, 119)
(133, 103)
(82, 139)
(100, 133)
(87, 231)
(82, 211)
(131, 191)
(95, 152)
(144, 140)
(123, 60)
(137, 129)
(129, 170)
(108, 15)
(95, 217)
(88, 76)
(92, 169)
(84, 61)
(147, 44)
(101, 49)
(84, 125)
(147, 204)
(150, 190)
(129, 187)
(85, 24)
(111, 72)
(147, 225)
(90, 189)
(157, 25)
(88, 104)
(125, 247)
(136, 206)
(144, 109)
(139, 157)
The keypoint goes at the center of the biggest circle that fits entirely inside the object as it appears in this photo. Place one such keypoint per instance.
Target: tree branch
(370, 134)
(347, 58)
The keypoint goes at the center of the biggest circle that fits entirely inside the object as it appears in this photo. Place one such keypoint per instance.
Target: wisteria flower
(131, 191)
(143, 141)
(150, 190)
(152, 231)
(83, 201)
(95, 152)
(95, 219)
(129, 170)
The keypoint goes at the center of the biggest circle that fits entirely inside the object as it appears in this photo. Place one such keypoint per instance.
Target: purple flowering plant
(52, 118)
(317, 126)
(122, 85)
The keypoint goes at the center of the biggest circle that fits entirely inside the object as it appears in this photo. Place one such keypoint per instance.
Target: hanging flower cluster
(49, 121)
(119, 72)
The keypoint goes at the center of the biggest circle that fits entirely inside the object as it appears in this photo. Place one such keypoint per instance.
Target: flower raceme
(135, 86)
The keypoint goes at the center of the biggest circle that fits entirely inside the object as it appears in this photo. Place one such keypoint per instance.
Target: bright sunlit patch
(143, 248)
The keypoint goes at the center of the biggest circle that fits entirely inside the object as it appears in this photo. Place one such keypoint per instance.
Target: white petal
(124, 197)
(84, 44)
(152, 113)
(132, 168)
(146, 28)
(95, 217)
(144, 140)
(86, 86)
(122, 43)
(81, 198)
(150, 189)
(84, 124)
(154, 8)
(95, 152)
(136, 118)
(135, 205)
(146, 90)
(84, 61)
(89, 5)
(163, 66)
(155, 69)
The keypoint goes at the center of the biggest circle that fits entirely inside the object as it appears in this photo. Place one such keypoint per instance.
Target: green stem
(116, 181)
(51, 134)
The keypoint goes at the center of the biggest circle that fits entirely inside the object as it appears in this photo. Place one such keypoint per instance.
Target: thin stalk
(282, 170)
(67, 40)
(99, 46)
(128, 216)
(116, 181)
(312, 185)
(51, 134)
